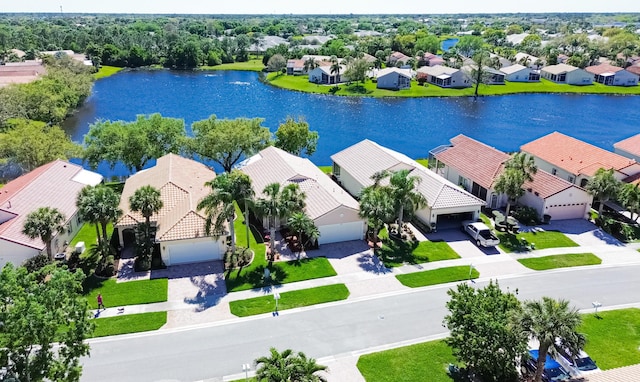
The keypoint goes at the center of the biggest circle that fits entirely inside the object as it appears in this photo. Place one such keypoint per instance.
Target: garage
(567, 211)
(190, 252)
(336, 233)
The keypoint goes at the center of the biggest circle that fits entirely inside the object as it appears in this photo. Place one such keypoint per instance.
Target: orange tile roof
(621, 374)
(603, 68)
(630, 145)
(546, 185)
(575, 156)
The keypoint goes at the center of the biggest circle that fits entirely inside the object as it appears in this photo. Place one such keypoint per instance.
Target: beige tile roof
(273, 165)
(559, 68)
(630, 145)
(437, 70)
(622, 374)
(181, 184)
(55, 185)
(365, 158)
(602, 69)
(513, 68)
(574, 155)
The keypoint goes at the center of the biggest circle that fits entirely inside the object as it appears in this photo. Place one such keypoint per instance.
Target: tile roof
(630, 145)
(513, 68)
(574, 155)
(181, 184)
(403, 72)
(621, 374)
(273, 165)
(602, 69)
(559, 68)
(366, 157)
(437, 70)
(61, 180)
(635, 69)
(546, 185)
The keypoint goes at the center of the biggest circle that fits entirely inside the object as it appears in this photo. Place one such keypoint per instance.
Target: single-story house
(180, 226)
(528, 60)
(323, 75)
(332, 209)
(445, 77)
(635, 69)
(575, 160)
(295, 67)
(629, 147)
(493, 76)
(476, 167)
(566, 74)
(56, 185)
(432, 60)
(520, 73)
(612, 75)
(21, 72)
(398, 58)
(446, 202)
(394, 79)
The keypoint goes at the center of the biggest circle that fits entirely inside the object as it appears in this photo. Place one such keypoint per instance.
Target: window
(583, 183)
(554, 171)
(336, 170)
(462, 181)
(571, 179)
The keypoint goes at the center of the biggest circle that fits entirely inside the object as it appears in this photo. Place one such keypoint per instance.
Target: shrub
(526, 215)
(334, 89)
(37, 262)
(106, 267)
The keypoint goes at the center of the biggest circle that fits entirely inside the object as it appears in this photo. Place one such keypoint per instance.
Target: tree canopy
(603, 186)
(44, 224)
(288, 366)
(295, 137)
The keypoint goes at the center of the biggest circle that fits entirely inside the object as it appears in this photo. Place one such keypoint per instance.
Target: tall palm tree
(44, 223)
(219, 208)
(335, 68)
(377, 206)
(603, 186)
(630, 198)
(99, 205)
(146, 200)
(301, 223)
(287, 366)
(404, 194)
(243, 194)
(310, 64)
(517, 170)
(554, 324)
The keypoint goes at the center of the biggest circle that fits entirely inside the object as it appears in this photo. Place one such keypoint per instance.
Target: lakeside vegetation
(254, 65)
(106, 71)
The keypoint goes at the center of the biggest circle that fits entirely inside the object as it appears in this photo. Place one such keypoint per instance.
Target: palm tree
(554, 324)
(310, 64)
(301, 223)
(404, 195)
(523, 163)
(335, 68)
(146, 200)
(219, 208)
(287, 366)
(517, 170)
(99, 205)
(306, 368)
(630, 198)
(243, 194)
(376, 205)
(603, 186)
(44, 223)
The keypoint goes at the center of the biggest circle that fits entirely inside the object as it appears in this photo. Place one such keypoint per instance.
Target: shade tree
(294, 136)
(603, 186)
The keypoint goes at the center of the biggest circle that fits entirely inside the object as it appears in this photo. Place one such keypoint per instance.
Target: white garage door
(336, 233)
(194, 252)
(567, 212)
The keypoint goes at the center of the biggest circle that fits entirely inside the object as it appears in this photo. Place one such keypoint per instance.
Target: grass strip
(437, 276)
(289, 300)
(251, 65)
(560, 261)
(130, 323)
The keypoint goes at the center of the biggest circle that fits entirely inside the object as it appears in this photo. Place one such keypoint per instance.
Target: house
(503, 61)
(445, 77)
(635, 69)
(566, 74)
(575, 160)
(528, 60)
(295, 67)
(332, 209)
(431, 59)
(520, 73)
(394, 79)
(476, 167)
(180, 226)
(21, 72)
(446, 202)
(612, 75)
(493, 76)
(324, 76)
(56, 185)
(629, 147)
(562, 58)
(398, 59)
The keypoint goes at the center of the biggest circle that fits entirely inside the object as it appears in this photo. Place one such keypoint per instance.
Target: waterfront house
(295, 67)
(393, 79)
(431, 59)
(332, 209)
(520, 73)
(447, 204)
(55, 185)
(566, 74)
(445, 77)
(324, 76)
(492, 76)
(629, 147)
(179, 225)
(575, 160)
(476, 167)
(608, 74)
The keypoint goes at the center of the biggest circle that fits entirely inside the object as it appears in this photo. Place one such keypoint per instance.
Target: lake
(449, 43)
(412, 126)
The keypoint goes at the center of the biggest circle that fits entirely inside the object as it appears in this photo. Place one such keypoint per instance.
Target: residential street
(212, 351)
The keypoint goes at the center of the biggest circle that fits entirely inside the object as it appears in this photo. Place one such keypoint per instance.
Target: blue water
(448, 43)
(412, 126)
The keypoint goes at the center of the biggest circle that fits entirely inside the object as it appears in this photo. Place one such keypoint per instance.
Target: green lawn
(368, 89)
(106, 71)
(88, 235)
(437, 276)
(427, 361)
(424, 162)
(289, 300)
(127, 293)
(251, 65)
(614, 339)
(251, 277)
(541, 239)
(326, 169)
(560, 261)
(129, 323)
(395, 253)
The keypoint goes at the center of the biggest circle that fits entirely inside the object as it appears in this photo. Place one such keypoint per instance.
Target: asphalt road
(211, 352)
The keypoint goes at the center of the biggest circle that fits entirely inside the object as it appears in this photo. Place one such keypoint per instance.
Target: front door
(494, 201)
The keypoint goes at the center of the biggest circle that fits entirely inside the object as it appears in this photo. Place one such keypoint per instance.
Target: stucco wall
(15, 253)
(579, 77)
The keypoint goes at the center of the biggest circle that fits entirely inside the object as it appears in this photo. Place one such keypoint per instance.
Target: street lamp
(276, 296)
(246, 367)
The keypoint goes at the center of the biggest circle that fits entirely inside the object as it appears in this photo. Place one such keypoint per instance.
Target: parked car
(480, 233)
(581, 364)
(553, 371)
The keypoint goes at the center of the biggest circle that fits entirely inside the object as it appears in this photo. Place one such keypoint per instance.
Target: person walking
(100, 304)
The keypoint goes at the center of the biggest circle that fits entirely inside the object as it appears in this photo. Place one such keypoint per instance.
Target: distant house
(333, 210)
(323, 75)
(447, 204)
(432, 60)
(394, 79)
(528, 60)
(635, 69)
(476, 167)
(520, 73)
(179, 226)
(629, 147)
(493, 76)
(21, 72)
(295, 67)
(566, 74)
(563, 58)
(612, 75)
(398, 59)
(445, 77)
(575, 160)
(56, 185)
